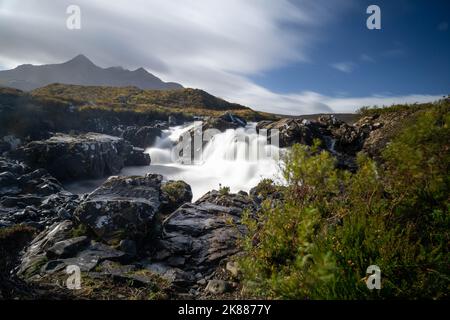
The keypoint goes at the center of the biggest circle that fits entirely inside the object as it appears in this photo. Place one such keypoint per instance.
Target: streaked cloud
(215, 45)
(366, 58)
(346, 67)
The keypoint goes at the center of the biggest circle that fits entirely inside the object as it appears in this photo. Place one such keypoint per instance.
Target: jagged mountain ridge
(80, 71)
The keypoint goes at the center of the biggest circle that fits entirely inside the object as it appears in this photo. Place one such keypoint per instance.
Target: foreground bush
(318, 243)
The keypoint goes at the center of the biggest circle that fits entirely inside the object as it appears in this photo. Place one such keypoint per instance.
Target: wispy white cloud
(346, 67)
(215, 45)
(366, 58)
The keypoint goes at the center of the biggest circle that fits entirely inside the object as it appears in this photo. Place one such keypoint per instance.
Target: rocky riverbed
(137, 231)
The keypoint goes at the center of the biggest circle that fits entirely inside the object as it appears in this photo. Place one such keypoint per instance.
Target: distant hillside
(185, 100)
(80, 71)
(62, 108)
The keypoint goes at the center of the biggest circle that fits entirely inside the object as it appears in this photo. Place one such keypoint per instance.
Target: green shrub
(333, 224)
(224, 191)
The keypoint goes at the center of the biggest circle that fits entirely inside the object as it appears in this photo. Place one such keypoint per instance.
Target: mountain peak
(140, 70)
(81, 71)
(80, 59)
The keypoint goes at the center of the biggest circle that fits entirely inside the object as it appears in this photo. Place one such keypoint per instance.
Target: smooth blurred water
(231, 159)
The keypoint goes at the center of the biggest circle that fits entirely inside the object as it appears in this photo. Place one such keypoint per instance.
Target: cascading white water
(231, 159)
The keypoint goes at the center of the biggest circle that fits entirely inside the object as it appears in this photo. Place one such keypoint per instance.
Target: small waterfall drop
(238, 159)
(231, 158)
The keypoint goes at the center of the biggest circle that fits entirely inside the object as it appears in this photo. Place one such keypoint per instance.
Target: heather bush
(333, 224)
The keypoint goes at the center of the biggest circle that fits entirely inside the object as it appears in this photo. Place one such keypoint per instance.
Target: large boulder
(198, 236)
(347, 139)
(35, 256)
(343, 140)
(122, 208)
(380, 129)
(142, 137)
(90, 155)
(222, 123)
(137, 157)
(291, 131)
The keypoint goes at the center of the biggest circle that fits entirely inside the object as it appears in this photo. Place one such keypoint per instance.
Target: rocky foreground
(135, 237)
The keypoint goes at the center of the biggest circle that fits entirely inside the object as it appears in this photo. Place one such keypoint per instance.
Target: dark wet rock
(35, 255)
(343, 140)
(54, 249)
(11, 166)
(290, 131)
(4, 147)
(198, 236)
(128, 247)
(122, 208)
(346, 138)
(137, 157)
(224, 122)
(142, 137)
(70, 157)
(86, 259)
(234, 119)
(32, 197)
(66, 248)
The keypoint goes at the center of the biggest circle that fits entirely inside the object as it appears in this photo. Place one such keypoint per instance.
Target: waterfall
(238, 159)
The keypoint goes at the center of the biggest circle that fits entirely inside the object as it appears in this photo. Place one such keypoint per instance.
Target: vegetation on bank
(62, 108)
(186, 102)
(333, 224)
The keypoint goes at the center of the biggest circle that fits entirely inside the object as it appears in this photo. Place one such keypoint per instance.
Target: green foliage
(266, 188)
(333, 224)
(80, 230)
(174, 189)
(377, 110)
(224, 190)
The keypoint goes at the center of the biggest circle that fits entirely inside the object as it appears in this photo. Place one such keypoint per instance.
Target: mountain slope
(61, 108)
(133, 97)
(80, 71)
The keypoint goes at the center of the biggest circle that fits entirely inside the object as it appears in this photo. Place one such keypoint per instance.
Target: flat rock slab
(72, 157)
(122, 208)
(86, 259)
(197, 237)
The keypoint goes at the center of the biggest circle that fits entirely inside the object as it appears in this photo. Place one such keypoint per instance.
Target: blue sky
(283, 56)
(409, 55)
